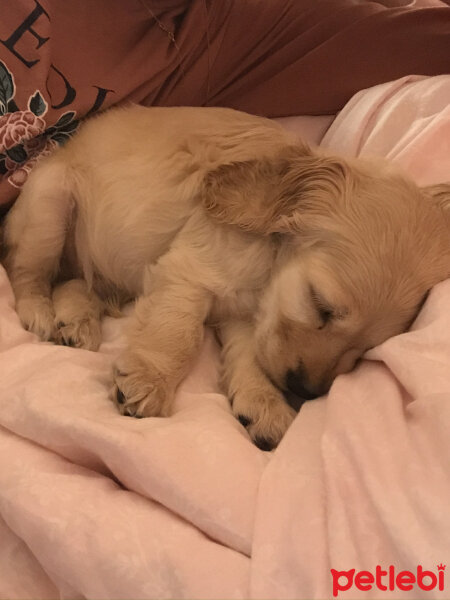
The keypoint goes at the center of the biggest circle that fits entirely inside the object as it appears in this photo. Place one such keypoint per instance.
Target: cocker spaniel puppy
(301, 260)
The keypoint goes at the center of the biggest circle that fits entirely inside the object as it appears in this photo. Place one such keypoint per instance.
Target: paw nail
(263, 444)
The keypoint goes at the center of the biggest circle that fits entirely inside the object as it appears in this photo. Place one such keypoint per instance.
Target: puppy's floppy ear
(440, 193)
(273, 194)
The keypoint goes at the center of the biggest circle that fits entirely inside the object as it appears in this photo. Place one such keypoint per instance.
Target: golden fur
(302, 261)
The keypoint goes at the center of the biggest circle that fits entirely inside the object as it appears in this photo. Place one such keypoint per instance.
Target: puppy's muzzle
(296, 382)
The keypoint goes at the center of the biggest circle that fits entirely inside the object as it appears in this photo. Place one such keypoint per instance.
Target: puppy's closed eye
(324, 311)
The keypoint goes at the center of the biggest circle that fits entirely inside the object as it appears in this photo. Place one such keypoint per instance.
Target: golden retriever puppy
(302, 261)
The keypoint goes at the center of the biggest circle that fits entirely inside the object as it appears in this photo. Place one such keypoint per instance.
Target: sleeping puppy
(302, 261)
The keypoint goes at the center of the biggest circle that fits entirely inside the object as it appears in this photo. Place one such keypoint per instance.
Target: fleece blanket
(353, 503)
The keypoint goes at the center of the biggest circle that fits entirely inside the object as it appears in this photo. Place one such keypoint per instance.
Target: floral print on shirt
(24, 134)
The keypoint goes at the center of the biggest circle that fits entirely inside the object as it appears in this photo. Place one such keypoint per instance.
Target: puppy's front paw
(140, 390)
(265, 414)
(79, 333)
(37, 315)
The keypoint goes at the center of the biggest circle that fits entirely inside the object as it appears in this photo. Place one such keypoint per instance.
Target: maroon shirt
(61, 61)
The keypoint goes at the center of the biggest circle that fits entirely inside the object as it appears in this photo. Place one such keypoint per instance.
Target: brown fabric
(63, 60)
(316, 55)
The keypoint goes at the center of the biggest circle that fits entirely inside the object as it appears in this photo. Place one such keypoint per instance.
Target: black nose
(295, 382)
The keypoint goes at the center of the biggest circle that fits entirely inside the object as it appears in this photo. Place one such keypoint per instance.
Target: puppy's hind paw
(80, 333)
(37, 315)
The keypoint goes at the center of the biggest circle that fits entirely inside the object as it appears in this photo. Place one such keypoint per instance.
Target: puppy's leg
(35, 233)
(77, 315)
(166, 332)
(258, 405)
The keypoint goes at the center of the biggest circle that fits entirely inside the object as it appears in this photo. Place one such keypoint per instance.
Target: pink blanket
(95, 505)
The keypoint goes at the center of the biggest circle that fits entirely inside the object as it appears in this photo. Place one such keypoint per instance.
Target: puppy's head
(359, 248)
